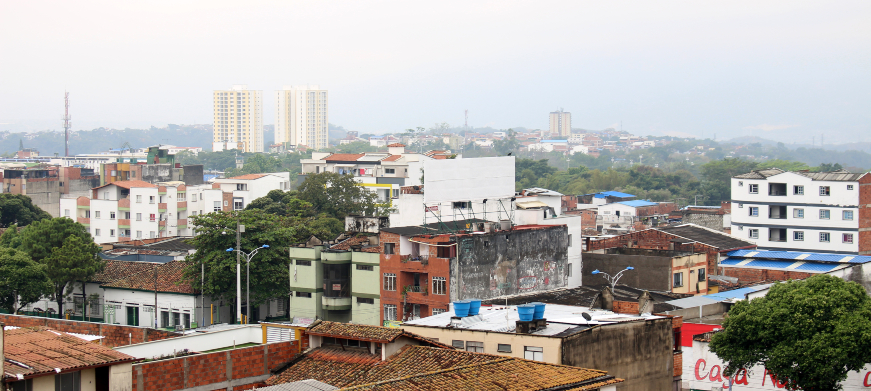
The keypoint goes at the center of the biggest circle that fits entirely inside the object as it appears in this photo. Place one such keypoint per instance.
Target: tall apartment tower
(561, 123)
(302, 116)
(238, 119)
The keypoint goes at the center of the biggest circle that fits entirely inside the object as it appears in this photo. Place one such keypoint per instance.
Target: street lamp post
(248, 257)
(613, 280)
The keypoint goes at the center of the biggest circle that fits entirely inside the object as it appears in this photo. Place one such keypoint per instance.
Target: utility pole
(155, 296)
(466, 126)
(66, 123)
(202, 295)
(239, 229)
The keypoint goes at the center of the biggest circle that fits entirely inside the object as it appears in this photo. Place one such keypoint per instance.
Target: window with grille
(365, 300)
(474, 346)
(848, 238)
(678, 280)
(825, 237)
(439, 285)
(389, 312)
(848, 215)
(798, 190)
(366, 267)
(825, 191)
(503, 348)
(533, 353)
(389, 248)
(303, 294)
(825, 214)
(389, 281)
(459, 344)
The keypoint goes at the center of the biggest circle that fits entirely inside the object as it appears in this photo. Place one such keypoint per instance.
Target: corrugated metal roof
(692, 302)
(736, 293)
(840, 175)
(817, 267)
(770, 264)
(731, 261)
(760, 174)
(802, 256)
(637, 203)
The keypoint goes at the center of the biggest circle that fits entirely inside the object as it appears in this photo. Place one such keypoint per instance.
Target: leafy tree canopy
(338, 195)
(19, 209)
(38, 239)
(75, 261)
(10, 237)
(809, 333)
(269, 273)
(22, 278)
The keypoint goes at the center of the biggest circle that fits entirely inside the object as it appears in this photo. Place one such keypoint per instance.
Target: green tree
(339, 195)
(269, 273)
(508, 144)
(10, 237)
(19, 209)
(66, 248)
(785, 165)
(75, 261)
(22, 281)
(808, 333)
(718, 175)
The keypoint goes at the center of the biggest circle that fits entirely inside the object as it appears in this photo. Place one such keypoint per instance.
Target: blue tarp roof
(801, 256)
(637, 203)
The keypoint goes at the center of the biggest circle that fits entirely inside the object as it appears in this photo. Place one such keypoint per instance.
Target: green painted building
(340, 285)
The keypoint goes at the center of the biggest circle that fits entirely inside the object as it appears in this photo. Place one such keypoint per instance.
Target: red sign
(337, 287)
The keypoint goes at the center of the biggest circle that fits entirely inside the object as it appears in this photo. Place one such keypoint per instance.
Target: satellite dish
(587, 316)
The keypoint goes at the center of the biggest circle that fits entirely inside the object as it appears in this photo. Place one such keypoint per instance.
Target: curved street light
(248, 257)
(613, 280)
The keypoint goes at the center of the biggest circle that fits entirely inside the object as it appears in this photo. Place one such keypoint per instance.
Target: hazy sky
(784, 70)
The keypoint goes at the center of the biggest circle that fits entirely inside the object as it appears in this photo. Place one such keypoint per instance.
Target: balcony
(123, 223)
(410, 263)
(336, 303)
(83, 220)
(161, 207)
(777, 189)
(423, 259)
(182, 205)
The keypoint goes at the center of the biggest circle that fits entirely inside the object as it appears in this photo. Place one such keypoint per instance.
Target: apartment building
(127, 210)
(425, 267)
(238, 119)
(46, 184)
(802, 211)
(561, 123)
(302, 116)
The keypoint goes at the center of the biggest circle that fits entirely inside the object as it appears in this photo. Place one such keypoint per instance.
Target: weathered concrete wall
(712, 221)
(651, 272)
(507, 263)
(640, 352)
(45, 194)
(153, 173)
(192, 175)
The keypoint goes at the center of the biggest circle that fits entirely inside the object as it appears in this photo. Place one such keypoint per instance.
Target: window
(303, 294)
(193, 198)
(473, 346)
(533, 353)
(436, 311)
(106, 195)
(365, 300)
(848, 215)
(389, 281)
(462, 205)
(111, 233)
(389, 171)
(150, 199)
(217, 206)
(798, 190)
(68, 381)
(237, 203)
(798, 213)
(96, 214)
(825, 214)
(367, 268)
(127, 215)
(825, 237)
(139, 217)
(439, 285)
(848, 238)
(569, 270)
(24, 385)
(389, 248)
(301, 262)
(151, 235)
(825, 190)
(389, 312)
(740, 183)
(678, 280)
(702, 274)
(754, 189)
(849, 187)
(754, 234)
(570, 240)
(241, 186)
(754, 211)
(96, 232)
(138, 234)
(740, 206)
(798, 236)
(138, 199)
(111, 215)
(458, 344)
(66, 213)
(152, 217)
(503, 348)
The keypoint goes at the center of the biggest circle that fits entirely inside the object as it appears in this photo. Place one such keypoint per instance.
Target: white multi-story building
(302, 116)
(238, 119)
(801, 211)
(128, 210)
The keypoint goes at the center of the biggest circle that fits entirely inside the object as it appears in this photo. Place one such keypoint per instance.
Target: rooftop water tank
(461, 308)
(539, 310)
(525, 312)
(474, 306)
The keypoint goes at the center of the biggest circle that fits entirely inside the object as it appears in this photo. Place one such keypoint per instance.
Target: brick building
(750, 266)
(686, 238)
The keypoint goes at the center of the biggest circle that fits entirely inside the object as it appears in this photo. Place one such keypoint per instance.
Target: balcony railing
(776, 193)
(423, 259)
(776, 239)
(777, 216)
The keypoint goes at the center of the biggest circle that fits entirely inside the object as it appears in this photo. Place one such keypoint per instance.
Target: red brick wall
(435, 267)
(116, 335)
(865, 215)
(747, 275)
(626, 307)
(204, 369)
(678, 363)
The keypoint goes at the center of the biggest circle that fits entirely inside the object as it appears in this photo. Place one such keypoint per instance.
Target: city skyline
(782, 70)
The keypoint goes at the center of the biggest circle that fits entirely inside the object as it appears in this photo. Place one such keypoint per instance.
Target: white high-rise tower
(302, 116)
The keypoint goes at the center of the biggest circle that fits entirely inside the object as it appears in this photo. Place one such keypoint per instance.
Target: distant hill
(102, 139)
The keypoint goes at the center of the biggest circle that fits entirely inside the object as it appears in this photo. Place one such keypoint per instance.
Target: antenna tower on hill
(66, 123)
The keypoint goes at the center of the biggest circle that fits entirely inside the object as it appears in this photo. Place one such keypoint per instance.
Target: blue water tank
(525, 312)
(539, 310)
(474, 307)
(461, 308)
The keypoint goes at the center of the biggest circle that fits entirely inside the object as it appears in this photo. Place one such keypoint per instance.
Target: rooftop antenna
(466, 126)
(66, 124)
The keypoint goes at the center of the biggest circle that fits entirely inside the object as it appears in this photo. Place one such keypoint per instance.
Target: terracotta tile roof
(116, 270)
(354, 331)
(498, 375)
(128, 184)
(344, 157)
(170, 279)
(354, 240)
(413, 360)
(248, 176)
(36, 351)
(392, 158)
(372, 249)
(333, 366)
(396, 145)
